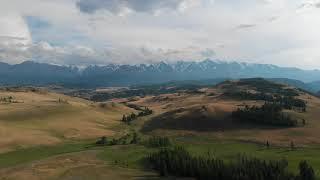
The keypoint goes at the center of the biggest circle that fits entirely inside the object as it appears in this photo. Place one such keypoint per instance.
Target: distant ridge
(33, 73)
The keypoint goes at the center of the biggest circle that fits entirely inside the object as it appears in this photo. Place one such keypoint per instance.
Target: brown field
(44, 118)
(200, 114)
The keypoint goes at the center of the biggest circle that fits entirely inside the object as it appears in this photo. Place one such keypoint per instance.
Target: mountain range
(33, 73)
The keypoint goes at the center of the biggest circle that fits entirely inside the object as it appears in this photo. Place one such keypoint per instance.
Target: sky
(85, 32)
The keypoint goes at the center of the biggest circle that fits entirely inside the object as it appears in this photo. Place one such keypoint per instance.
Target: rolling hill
(30, 117)
(209, 112)
(50, 135)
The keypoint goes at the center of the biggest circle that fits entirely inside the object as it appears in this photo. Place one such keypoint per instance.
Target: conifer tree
(306, 171)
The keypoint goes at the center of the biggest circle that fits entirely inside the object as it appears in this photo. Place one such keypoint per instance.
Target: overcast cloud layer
(83, 32)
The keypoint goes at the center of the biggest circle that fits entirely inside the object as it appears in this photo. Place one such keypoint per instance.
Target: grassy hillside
(208, 112)
(37, 117)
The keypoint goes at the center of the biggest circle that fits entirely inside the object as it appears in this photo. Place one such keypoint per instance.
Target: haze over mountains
(32, 73)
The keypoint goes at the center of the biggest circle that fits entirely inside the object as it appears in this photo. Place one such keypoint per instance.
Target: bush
(102, 141)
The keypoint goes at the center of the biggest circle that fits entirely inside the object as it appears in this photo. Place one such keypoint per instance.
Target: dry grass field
(208, 114)
(44, 118)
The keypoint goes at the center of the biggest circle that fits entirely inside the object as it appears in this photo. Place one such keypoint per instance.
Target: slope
(30, 116)
(208, 112)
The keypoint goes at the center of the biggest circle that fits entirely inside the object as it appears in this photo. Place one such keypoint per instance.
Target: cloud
(14, 29)
(208, 53)
(120, 6)
(136, 31)
(245, 26)
(309, 4)
(82, 55)
(9, 38)
(273, 18)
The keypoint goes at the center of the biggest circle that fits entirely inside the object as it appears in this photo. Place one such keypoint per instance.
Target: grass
(36, 153)
(70, 161)
(132, 156)
(42, 120)
(107, 172)
(228, 150)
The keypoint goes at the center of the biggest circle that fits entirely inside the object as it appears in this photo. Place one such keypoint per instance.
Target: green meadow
(132, 156)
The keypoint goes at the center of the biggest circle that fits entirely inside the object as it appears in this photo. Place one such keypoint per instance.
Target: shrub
(102, 141)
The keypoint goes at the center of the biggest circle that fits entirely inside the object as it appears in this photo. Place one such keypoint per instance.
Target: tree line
(246, 95)
(179, 162)
(268, 114)
(134, 138)
(131, 138)
(128, 118)
(289, 102)
(286, 102)
(268, 87)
